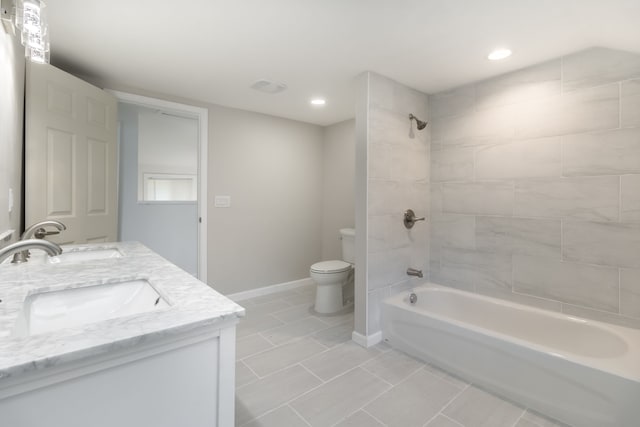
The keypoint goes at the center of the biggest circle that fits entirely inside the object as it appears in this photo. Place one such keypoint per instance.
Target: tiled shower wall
(535, 186)
(398, 175)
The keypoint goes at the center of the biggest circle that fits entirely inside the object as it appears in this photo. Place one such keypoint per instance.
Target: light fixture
(29, 18)
(318, 101)
(499, 54)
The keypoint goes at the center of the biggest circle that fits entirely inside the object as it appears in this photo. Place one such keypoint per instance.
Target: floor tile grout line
(299, 414)
(452, 420)
(446, 405)
(293, 341)
(312, 373)
(524, 411)
(372, 416)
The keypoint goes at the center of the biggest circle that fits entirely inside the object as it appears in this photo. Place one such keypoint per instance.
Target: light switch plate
(222, 201)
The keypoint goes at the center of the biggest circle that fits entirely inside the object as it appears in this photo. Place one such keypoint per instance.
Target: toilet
(334, 279)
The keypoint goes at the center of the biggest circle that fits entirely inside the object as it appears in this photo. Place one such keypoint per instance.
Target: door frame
(202, 115)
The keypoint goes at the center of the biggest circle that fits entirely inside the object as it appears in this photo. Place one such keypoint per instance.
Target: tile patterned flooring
(295, 369)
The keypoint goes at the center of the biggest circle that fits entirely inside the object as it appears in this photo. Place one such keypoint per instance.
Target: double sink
(51, 310)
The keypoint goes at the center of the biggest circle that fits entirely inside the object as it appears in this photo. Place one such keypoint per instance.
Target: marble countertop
(193, 305)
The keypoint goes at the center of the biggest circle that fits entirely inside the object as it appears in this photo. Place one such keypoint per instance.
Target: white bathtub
(582, 372)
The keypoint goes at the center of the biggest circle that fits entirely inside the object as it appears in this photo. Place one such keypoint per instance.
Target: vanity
(111, 335)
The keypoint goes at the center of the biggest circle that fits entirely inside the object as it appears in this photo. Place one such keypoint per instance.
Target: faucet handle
(41, 233)
(410, 219)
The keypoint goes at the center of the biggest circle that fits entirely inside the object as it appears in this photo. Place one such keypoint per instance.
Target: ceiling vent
(268, 86)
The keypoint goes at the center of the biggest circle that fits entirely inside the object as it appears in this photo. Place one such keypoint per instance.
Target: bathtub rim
(609, 365)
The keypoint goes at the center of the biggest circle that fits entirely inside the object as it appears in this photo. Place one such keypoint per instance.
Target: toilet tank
(348, 236)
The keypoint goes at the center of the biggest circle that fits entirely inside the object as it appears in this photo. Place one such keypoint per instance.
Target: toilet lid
(330, 266)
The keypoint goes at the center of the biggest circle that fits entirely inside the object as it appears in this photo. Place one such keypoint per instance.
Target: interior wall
(12, 65)
(338, 202)
(536, 186)
(397, 171)
(272, 169)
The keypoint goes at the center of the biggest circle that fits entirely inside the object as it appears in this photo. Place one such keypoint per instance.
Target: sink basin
(50, 311)
(85, 255)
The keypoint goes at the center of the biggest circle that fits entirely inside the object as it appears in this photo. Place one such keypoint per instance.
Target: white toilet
(334, 279)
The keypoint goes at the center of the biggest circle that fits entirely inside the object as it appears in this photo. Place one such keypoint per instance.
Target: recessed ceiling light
(499, 54)
(318, 101)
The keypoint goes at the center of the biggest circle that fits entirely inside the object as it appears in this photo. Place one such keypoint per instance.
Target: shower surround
(530, 181)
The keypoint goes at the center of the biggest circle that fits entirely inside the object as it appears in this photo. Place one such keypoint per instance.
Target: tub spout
(414, 272)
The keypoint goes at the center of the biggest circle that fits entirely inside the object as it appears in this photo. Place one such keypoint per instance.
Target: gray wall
(272, 169)
(397, 179)
(536, 186)
(169, 229)
(11, 130)
(338, 207)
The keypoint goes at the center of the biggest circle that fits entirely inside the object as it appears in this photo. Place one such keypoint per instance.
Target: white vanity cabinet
(172, 367)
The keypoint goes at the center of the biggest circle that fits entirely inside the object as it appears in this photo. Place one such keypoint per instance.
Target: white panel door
(71, 148)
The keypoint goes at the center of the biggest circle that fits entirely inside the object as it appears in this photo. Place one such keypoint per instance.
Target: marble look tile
(282, 356)
(580, 111)
(538, 81)
(335, 335)
(268, 393)
(256, 323)
(294, 330)
(454, 231)
(597, 66)
(409, 164)
(452, 164)
(339, 360)
(452, 102)
(588, 198)
(393, 366)
(251, 344)
(281, 417)
(392, 128)
(481, 198)
(388, 267)
(586, 285)
(476, 407)
(442, 421)
(335, 400)
(611, 152)
(359, 419)
(536, 158)
(293, 314)
(267, 307)
(389, 94)
(379, 161)
(475, 127)
(469, 269)
(412, 402)
(384, 197)
(630, 198)
(540, 420)
(630, 103)
(518, 236)
(435, 198)
(244, 375)
(630, 293)
(600, 243)
(601, 316)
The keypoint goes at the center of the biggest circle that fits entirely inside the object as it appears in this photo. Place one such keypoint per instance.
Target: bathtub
(582, 372)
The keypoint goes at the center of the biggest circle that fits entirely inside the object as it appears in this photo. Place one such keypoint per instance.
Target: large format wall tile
(589, 198)
(452, 102)
(525, 236)
(483, 198)
(538, 81)
(473, 269)
(630, 198)
(630, 293)
(581, 284)
(598, 66)
(455, 231)
(522, 159)
(611, 152)
(601, 243)
(630, 103)
(454, 164)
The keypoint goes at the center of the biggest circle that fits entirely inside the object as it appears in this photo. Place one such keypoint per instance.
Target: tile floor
(295, 369)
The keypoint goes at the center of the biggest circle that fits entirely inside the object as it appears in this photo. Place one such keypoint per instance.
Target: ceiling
(213, 50)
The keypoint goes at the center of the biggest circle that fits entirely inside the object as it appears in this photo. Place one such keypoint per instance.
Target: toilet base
(329, 300)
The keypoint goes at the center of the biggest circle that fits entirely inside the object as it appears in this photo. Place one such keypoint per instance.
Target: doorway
(162, 179)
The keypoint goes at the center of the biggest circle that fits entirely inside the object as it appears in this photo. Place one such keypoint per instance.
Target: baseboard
(272, 289)
(366, 340)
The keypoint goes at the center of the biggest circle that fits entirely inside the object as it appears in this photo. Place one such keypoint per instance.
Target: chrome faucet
(20, 246)
(414, 272)
(38, 231)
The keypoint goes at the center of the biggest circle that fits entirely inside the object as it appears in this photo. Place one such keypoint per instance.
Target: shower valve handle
(410, 219)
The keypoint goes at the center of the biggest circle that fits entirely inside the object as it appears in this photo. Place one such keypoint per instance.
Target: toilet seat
(329, 267)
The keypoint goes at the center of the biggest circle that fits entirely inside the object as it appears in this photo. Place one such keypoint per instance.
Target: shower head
(419, 123)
